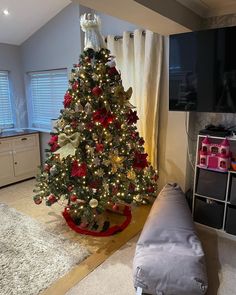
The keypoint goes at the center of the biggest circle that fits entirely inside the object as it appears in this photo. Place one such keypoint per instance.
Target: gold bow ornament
(123, 96)
(68, 144)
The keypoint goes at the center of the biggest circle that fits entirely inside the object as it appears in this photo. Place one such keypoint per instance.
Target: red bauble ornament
(75, 86)
(52, 199)
(73, 198)
(96, 91)
(78, 170)
(38, 201)
(140, 161)
(67, 100)
(99, 147)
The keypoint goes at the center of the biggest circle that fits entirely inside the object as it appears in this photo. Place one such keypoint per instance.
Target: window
(6, 114)
(47, 90)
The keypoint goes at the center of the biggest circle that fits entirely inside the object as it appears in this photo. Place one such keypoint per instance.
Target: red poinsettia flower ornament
(112, 71)
(75, 86)
(67, 99)
(78, 170)
(140, 161)
(132, 117)
(99, 147)
(103, 117)
(53, 143)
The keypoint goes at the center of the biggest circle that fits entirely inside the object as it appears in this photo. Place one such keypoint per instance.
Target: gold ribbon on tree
(68, 144)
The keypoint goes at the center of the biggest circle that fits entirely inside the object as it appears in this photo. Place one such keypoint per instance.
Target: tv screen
(202, 71)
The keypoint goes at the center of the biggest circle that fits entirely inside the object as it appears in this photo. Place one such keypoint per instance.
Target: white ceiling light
(6, 11)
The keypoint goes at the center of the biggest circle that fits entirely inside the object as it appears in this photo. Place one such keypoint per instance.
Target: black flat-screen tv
(202, 71)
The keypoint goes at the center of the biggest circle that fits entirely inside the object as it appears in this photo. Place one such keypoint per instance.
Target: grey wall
(115, 26)
(55, 45)
(10, 60)
(58, 44)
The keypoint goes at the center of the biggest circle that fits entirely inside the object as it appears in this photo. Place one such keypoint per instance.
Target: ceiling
(26, 17)
(208, 8)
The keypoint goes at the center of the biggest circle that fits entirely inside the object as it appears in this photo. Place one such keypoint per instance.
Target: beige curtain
(140, 59)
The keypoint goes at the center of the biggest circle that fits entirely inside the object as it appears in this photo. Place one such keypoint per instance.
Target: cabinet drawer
(232, 196)
(211, 184)
(230, 225)
(23, 142)
(5, 145)
(209, 212)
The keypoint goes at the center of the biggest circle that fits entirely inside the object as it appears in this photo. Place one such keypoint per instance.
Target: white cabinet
(6, 167)
(19, 158)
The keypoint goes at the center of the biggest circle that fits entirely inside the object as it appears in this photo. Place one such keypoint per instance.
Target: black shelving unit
(214, 193)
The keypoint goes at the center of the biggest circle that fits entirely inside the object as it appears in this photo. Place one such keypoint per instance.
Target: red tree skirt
(111, 230)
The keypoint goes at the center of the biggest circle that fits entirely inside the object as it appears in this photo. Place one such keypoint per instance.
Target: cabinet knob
(24, 138)
(15, 163)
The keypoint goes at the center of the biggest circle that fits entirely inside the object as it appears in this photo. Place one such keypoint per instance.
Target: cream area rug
(114, 276)
(31, 258)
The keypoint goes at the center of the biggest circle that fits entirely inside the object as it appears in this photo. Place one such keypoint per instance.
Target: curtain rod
(117, 37)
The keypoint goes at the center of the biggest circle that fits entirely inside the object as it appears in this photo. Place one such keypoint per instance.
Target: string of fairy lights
(96, 156)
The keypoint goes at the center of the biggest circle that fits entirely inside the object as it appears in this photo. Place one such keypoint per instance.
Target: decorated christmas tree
(96, 158)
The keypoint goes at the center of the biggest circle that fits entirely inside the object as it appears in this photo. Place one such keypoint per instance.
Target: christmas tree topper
(91, 25)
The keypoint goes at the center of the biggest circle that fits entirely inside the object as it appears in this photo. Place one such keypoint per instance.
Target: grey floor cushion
(169, 259)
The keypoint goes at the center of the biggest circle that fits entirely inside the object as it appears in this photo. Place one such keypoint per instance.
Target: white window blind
(6, 115)
(47, 90)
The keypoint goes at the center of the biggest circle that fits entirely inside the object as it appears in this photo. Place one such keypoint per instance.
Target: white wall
(10, 60)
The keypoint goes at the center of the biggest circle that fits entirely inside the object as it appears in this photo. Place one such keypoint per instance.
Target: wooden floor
(19, 196)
